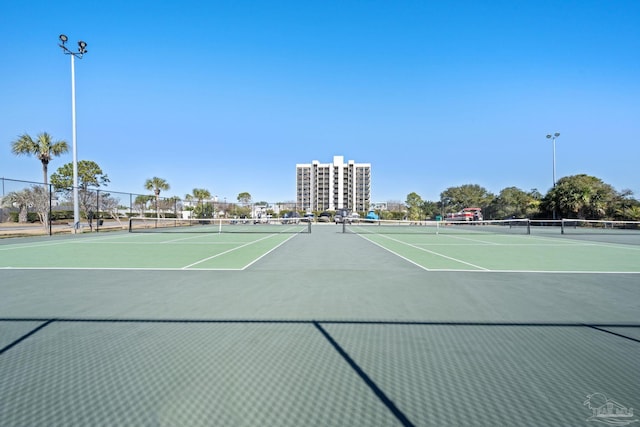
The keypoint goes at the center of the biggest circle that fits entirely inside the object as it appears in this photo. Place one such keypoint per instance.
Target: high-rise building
(333, 186)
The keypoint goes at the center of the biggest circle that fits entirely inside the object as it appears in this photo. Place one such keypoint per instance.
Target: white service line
(470, 240)
(580, 242)
(430, 252)
(268, 252)
(394, 253)
(226, 252)
(438, 270)
(527, 245)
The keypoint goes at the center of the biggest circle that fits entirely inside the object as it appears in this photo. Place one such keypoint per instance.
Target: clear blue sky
(230, 95)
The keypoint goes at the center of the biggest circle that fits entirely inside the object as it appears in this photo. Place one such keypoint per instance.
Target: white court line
(29, 246)
(486, 270)
(557, 241)
(471, 240)
(394, 253)
(268, 252)
(420, 249)
(174, 243)
(532, 245)
(434, 253)
(118, 268)
(63, 241)
(228, 251)
(436, 270)
(581, 242)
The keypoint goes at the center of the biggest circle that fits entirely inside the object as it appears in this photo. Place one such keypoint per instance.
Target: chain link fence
(32, 208)
(36, 208)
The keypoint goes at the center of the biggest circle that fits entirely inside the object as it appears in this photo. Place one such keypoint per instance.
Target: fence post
(97, 218)
(50, 209)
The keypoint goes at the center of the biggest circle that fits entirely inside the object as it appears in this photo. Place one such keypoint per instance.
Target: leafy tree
(414, 206)
(514, 202)
(244, 198)
(580, 196)
(89, 175)
(626, 207)
(201, 194)
(430, 209)
(43, 147)
(156, 185)
(188, 198)
(201, 210)
(466, 196)
(632, 213)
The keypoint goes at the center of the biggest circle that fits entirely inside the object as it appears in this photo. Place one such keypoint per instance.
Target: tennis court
(328, 328)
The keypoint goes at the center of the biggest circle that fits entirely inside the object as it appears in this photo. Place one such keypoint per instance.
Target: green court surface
(319, 329)
(155, 251)
(491, 252)
(213, 250)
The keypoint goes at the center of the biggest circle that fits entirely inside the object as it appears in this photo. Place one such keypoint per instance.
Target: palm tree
(200, 194)
(157, 185)
(43, 148)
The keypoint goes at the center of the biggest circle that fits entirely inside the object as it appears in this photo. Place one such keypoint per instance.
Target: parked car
(372, 216)
(340, 215)
(308, 217)
(324, 217)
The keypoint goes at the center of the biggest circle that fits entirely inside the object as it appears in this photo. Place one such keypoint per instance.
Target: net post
(562, 226)
(219, 225)
(309, 226)
(130, 224)
(344, 226)
(528, 226)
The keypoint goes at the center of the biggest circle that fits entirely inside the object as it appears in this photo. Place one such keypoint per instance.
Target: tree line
(578, 196)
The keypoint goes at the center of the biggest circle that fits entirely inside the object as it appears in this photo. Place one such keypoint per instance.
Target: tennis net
(510, 226)
(588, 226)
(218, 225)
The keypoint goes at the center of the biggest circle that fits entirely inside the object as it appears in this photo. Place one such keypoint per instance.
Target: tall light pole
(553, 138)
(82, 49)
